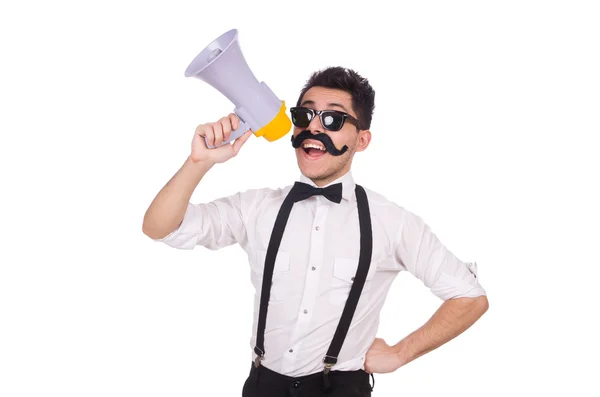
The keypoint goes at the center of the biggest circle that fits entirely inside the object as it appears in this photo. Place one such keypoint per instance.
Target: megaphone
(221, 64)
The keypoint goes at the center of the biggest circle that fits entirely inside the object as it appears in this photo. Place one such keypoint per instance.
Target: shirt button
(291, 350)
(313, 268)
(317, 228)
(305, 311)
(352, 279)
(296, 384)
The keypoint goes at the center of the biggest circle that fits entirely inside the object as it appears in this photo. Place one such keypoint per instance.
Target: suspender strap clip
(257, 361)
(260, 355)
(329, 362)
(326, 382)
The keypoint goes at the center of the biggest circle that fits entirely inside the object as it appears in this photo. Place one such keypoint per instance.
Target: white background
(486, 125)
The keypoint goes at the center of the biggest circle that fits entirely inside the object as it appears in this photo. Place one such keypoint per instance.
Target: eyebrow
(331, 104)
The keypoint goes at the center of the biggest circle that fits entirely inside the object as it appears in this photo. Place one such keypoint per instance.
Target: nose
(315, 125)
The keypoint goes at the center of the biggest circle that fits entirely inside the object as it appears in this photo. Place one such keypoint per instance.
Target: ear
(363, 140)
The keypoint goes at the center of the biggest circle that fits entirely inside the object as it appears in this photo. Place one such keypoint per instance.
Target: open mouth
(314, 150)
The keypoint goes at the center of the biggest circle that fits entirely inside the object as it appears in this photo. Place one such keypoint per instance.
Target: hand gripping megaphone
(221, 64)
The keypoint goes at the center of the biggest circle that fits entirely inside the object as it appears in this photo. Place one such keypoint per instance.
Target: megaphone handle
(235, 134)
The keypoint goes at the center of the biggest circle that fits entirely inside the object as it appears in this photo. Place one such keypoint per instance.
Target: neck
(322, 182)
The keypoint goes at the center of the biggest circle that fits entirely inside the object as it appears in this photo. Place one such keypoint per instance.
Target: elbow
(154, 234)
(157, 231)
(150, 230)
(482, 304)
(146, 226)
(476, 305)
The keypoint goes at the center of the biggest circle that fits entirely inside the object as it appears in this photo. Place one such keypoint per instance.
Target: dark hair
(363, 95)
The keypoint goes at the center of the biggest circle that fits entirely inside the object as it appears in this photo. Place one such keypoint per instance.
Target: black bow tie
(301, 191)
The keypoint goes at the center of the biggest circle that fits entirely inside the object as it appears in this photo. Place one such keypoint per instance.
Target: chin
(318, 168)
(316, 173)
(310, 168)
(311, 172)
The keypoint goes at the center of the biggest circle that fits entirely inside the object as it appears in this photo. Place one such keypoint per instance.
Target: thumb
(238, 143)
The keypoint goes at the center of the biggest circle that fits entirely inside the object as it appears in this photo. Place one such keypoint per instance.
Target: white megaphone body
(221, 64)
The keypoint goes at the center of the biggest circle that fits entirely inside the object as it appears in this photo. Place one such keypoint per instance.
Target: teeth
(313, 146)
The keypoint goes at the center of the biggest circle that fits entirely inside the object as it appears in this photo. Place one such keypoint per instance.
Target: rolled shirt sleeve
(419, 251)
(214, 225)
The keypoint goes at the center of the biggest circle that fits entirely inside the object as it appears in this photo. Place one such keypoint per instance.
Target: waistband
(265, 375)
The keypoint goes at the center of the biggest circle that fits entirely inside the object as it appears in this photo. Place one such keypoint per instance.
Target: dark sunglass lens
(301, 117)
(332, 120)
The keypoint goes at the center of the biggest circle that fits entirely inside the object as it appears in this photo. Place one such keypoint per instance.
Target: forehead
(327, 98)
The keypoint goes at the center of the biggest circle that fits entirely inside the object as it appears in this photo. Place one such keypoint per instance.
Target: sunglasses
(332, 120)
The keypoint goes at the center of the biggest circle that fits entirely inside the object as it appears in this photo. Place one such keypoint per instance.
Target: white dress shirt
(315, 264)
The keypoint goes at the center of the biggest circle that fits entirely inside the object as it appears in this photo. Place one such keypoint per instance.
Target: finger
(209, 135)
(218, 137)
(237, 145)
(234, 120)
(201, 130)
(199, 139)
(226, 126)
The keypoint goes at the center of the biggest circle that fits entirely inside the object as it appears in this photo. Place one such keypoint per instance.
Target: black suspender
(366, 249)
(276, 236)
(364, 261)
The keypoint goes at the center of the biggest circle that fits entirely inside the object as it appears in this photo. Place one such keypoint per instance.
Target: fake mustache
(321, 137)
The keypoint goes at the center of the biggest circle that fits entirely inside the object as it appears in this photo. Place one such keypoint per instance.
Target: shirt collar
(347, 181)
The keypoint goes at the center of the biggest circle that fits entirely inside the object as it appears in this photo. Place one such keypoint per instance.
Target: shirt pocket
(344, 271)
(280, 272)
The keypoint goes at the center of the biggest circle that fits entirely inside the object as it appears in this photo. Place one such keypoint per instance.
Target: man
(323, 252)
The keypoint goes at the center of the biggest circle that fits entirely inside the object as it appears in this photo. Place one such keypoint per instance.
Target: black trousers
(263, 382)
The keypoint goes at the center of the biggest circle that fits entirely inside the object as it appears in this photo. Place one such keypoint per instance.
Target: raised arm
(167, 210)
